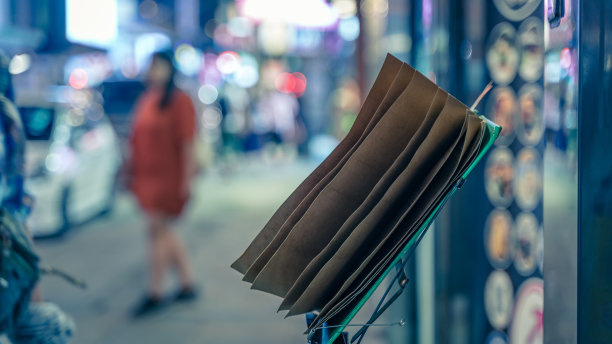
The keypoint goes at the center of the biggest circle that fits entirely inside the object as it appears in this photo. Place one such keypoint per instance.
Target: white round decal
(502, 54)
(499, 238)
(528, 319)
(499, 174)
(502, 108)
(528, 179)
(526, 251)
(531, 42)
(516, 9)
(529, 121)
(499, 299)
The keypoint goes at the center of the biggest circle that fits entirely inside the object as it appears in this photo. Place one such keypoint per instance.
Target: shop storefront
(519, 254)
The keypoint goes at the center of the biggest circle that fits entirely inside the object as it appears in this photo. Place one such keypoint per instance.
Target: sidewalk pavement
(224, 216)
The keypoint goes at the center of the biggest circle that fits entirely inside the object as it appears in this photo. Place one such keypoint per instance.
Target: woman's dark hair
(166, 57)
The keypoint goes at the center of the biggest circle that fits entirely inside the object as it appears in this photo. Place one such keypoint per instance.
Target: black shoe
(186, 294)
(147, 306)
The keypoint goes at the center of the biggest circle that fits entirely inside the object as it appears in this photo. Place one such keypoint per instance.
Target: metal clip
(460, 183)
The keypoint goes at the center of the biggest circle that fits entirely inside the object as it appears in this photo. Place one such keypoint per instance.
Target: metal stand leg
(321, 335)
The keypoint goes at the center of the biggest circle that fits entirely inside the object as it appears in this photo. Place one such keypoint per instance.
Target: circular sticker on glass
(528, 320)
(526, 251)
(530, 117)
(531, 43)
(496, 337)
(499, 238)
(502, 108)
(516, 9)
(502, 54)
(499, 174)
(499, 298)
(528, 179)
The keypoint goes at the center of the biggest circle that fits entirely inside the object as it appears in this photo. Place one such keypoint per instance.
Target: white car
(72, 159)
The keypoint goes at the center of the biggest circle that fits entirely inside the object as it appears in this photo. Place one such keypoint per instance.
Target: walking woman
(162, 165)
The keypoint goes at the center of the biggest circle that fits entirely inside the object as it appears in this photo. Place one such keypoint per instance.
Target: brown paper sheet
(385, 77)
(340, 230)
(349, 188)
(370, 202)
(401, 80)
(431, 163)
(362, 278)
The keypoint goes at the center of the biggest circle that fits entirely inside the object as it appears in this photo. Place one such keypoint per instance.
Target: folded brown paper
(349, 188)
(341, 229)
(403, 77)
(370, 202)
(373, 265)
(444, 139)
(361, 281)
(386, 76)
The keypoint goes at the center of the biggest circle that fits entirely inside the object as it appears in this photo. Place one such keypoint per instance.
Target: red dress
(157, 151)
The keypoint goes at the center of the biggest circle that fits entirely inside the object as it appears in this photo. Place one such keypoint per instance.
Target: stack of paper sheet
(342, 227)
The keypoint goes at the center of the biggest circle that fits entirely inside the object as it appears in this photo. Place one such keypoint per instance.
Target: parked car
(72, 161)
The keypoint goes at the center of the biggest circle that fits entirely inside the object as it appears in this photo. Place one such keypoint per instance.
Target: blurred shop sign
(300, 13)
(91, 22)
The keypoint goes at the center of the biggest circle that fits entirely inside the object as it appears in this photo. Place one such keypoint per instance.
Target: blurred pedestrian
(162, 164)
(24, 315)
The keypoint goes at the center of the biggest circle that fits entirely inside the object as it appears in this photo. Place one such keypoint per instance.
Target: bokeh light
(188, 59)
(566, 58)
(247, 74)
(20, 63)
(284, 82)
(300, 84)
(75, 117)
(222, 36)
(291, 83)
(320, 146)
(228, 62)
(53, 162)
(210, 26)
(209, 73)
(208, 94)
(78, 78)
(275, 38)
(349, 28)
(211, 118)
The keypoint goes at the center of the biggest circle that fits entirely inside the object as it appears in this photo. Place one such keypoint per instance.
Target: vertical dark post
(595, 173)
(54, 25)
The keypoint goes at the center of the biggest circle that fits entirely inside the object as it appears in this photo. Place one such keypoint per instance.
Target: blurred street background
(276, 85)
(223, 217)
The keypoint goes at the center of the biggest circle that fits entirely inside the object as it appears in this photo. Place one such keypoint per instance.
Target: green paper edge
(494, 131)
